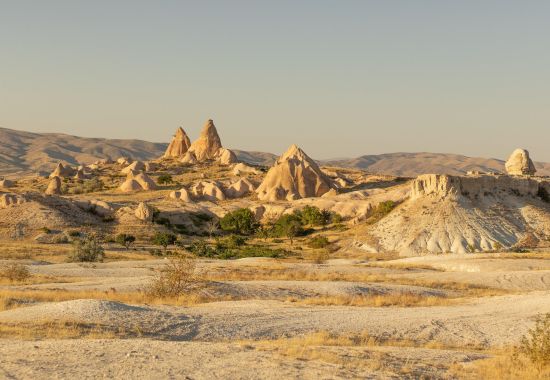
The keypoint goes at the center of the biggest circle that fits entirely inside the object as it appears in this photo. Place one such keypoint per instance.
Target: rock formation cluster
(179, 145)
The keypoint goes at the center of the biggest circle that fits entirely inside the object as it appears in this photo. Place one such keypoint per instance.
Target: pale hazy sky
(339, 78)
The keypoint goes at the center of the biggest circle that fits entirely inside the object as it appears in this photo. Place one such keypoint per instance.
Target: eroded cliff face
(475, 186)
(463, 214)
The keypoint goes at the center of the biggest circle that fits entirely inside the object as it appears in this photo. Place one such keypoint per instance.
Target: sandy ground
(217, 340)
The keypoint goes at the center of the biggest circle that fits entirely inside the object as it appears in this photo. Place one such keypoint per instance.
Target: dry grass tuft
(405, 299)
(63, 330)
(14, 272)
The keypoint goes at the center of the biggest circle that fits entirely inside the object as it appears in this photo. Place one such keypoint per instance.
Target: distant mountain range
(27, 152)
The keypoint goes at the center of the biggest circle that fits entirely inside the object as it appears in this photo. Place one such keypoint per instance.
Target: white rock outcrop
(519, 163)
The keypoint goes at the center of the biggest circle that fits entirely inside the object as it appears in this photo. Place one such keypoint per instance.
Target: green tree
(165, 179)
(289, 226)
(240, 221)
(125, 240)
(164, 239)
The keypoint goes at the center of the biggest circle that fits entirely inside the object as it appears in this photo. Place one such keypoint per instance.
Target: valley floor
(432, 317)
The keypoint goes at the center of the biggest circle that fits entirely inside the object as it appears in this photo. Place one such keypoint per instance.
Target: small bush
(73, 233)
(125, 240)
(231, 241)
(46, 230)
(289, 226)
(177, 277)
(543, 194)
(165, 179)
(241, 221)
(164, 239)
(15, 272)
(536, 344)
(87, 250)
(318, 242)
(383, 209)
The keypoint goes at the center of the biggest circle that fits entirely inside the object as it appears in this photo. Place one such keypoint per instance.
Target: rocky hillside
(414, 164)
(35, 152)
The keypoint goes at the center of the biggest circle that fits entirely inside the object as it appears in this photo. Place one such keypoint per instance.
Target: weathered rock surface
(137, 181)
(189, 158)
(519, 163)
(54, 187)
(144, 212)
(295, 175)
(134, 166)
(62, 171)
(179, 145)
(463, 214)
(240, 188)
(182, 195)
(207, 146)
(243, 169)
(207, 190)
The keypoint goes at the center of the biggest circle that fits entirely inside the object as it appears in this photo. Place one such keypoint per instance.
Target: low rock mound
(211, 191)
(243, 169)
(182, 195)
(6, 184)
(295, 175)
(455, 214)
(135, 166)
(137, 182)
(105, 313)
(240, 188)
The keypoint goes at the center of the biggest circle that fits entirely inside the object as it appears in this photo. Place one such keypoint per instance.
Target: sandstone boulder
(179, 145)
(519, 163)
(243, 169)
(211, 191)
(189, 158)
(182, 195)
(226, 156)
(295, 175)
(54, 187)
(240, 188)
(144, 212)
(130, 185)
(62, 171)
(124, 161)
(134, 166)
(80, 174)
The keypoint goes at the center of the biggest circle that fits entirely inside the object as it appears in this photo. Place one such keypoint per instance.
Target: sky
(339, 78)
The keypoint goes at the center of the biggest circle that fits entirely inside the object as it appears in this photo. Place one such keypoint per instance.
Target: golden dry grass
(503, 366)
(380, 300)
(63, 330)
(283, 273)
(10, 299)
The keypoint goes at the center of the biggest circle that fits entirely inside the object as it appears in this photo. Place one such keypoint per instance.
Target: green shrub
(87, 250)
(289, 226)
(164, 239)
(536, 344)
(543, 194)
(318, 242)
(231, 241)
(165, 179)
(241, 221)
(125, 240)
(383, 209)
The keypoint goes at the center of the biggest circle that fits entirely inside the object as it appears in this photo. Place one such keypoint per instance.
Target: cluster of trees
(243, 222)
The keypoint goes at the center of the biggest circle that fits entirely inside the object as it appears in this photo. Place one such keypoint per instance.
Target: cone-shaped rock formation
(179, 145)
(295, 175)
